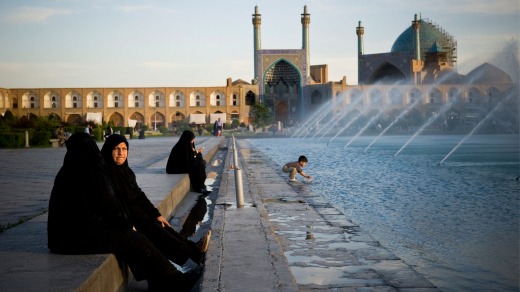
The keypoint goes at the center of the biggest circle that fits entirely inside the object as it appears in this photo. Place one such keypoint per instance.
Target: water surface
(456, 223)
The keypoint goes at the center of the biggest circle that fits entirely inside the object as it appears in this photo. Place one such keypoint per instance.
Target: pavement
(283, 238)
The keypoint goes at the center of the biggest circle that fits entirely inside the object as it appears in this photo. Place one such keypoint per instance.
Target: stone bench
(55, 143)
(27, 264)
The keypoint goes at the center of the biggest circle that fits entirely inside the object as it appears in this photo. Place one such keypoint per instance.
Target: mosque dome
(487, 74)
(429, 33)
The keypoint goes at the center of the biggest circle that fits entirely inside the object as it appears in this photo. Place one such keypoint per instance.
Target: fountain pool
(455, 223)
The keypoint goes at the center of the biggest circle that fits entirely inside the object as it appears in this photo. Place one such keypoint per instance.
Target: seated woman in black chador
(142, 213)
(184, 158)
(87, 215)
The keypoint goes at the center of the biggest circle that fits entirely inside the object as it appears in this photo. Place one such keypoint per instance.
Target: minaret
(416, 25)
(306, 21)
(257, 21)
(360, 31)
(417, 63)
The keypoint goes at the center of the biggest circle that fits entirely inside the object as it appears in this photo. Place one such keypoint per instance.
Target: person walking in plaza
(296, 167)
(218, 127)
(184, 158)
(142, 213)
(61, 137)
(92, 218)
(108, 131)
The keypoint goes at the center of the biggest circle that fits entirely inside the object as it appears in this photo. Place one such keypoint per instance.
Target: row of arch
(135, 99)
(397, 96)
(155, 119)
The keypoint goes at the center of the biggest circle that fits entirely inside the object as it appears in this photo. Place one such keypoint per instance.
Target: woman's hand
(163, 221)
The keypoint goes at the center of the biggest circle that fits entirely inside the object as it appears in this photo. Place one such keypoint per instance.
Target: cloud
(27, 14)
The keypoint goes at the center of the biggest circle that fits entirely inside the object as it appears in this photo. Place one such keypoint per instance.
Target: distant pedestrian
(61, 137)
(88, 130)
(217, 128)
(108, 131)
(296, 167)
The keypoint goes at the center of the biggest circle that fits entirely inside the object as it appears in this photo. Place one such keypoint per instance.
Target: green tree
(262, 116)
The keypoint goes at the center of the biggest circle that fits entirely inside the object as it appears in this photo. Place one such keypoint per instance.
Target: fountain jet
(404, 112)
(442, 110)
(476, 128)
(364, 127)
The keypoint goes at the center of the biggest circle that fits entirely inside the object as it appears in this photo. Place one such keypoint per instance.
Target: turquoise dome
(429, 34)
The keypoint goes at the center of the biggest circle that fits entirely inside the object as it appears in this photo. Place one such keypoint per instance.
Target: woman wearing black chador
(87, 216)
(142, 213)
(184, 158)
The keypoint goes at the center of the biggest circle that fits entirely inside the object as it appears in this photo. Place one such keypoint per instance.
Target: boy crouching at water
(296, 167)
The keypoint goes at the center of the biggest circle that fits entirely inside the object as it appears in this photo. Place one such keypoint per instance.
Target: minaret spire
(306, 21)
(416, 25)
(257, 21)
(360, 31)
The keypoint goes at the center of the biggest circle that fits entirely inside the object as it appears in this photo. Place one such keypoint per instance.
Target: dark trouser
(173, 245)
(143, 258)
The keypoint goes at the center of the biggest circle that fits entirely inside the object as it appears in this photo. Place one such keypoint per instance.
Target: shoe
(203, 244)
(293, 180)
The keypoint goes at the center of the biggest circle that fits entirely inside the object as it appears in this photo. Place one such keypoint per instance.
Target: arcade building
(420, 69)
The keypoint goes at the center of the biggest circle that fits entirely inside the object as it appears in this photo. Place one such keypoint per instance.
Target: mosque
(418, 74)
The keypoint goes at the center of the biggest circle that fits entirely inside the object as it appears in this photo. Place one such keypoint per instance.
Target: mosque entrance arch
(386, 74)
(282, 90)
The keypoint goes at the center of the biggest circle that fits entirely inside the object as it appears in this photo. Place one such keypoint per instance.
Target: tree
(261, 115)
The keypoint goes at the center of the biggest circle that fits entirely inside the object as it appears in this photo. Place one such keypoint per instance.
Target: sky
(174, 43)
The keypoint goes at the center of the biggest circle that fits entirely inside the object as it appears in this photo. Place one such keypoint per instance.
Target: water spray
(434, 117)
(346, 126)
(393, 122)
(364, 127)
(337, 120)
(475, 128)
